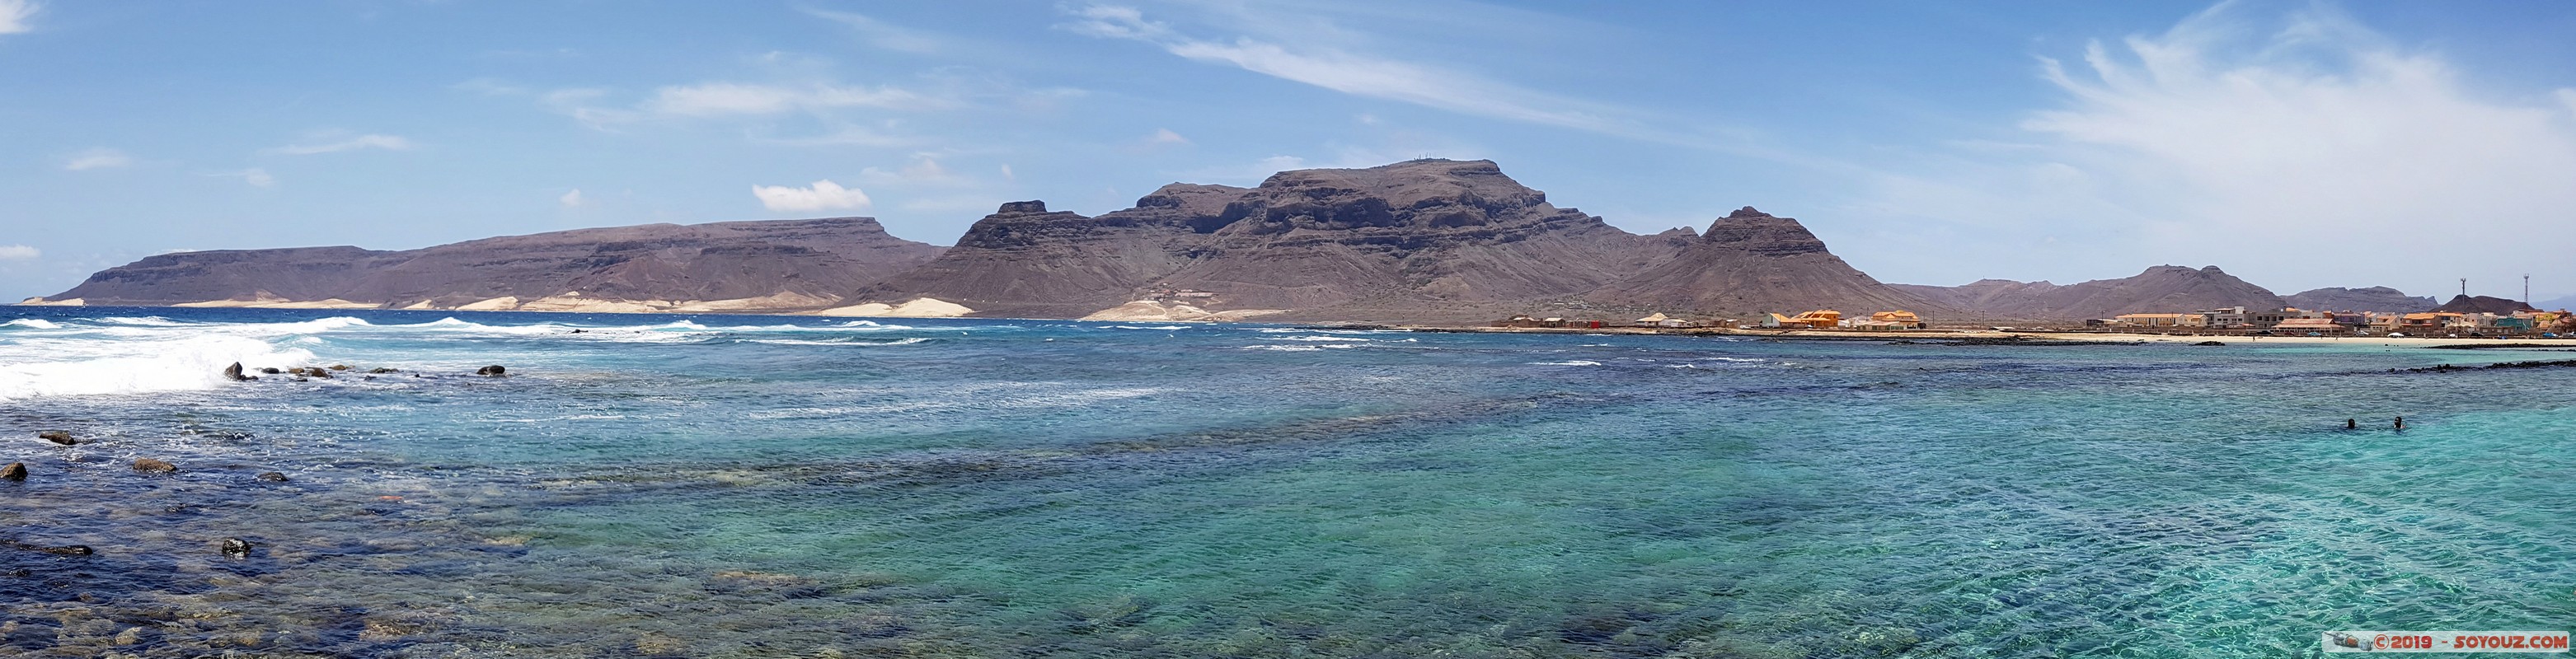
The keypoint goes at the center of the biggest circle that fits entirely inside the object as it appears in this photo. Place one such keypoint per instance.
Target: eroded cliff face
(1752, 262)
(796, 260)
(2160, 289)
(1398, 241)
(1024, 260)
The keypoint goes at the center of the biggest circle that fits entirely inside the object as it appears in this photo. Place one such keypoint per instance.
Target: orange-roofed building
(1905, 319)
(1820, 319)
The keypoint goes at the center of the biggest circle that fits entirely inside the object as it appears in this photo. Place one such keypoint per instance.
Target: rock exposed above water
(2161, 289)
(805, 262)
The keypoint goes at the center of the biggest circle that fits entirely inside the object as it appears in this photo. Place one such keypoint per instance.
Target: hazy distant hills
(2164, 288)
(1430, 240)
(2375, 298)
(2481, 304)
(822, 259)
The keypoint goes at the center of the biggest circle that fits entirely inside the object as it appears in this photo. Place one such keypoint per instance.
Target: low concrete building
(1904, 319)
(2161, 320)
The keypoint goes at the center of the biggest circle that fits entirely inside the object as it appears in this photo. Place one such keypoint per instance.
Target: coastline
(933, 308)
(2030, 337)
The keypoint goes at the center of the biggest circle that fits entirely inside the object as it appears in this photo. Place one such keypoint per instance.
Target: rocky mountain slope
(790, 263)
(2164, 288)
(2481, 304)
(1412, 240)
(2375, 298)
(1752, 262)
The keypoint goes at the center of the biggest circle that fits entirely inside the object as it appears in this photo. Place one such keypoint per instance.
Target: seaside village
(2227, 321)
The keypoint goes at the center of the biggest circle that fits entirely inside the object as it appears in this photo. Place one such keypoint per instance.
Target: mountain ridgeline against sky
(793, 261)
(1412, 240)
(2164, 288)
(1419, 241)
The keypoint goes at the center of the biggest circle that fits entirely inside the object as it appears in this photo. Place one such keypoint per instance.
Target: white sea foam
(1336, 339)
(148, 321)
(1306, 348)
(32, 323)
(1570, 362)
(90, 367)
(1157, 327)
(809, 342)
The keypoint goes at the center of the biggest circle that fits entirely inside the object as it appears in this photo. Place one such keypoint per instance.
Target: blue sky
(2297, 144)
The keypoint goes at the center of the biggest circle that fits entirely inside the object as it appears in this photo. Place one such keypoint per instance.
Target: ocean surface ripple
(760, 486)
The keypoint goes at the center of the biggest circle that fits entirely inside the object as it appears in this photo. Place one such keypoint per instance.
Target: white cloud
(369, 141)
(14, 15)
(1357, 74)
(822, 195)
(572, 199)
(923, 171)
(724, 98)
(883, 34)
(98, 159)
(18, 252)
(2296, 151)
(1166, 136)
(255, 176)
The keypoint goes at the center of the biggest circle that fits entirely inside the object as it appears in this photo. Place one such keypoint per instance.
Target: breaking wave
(130, 367)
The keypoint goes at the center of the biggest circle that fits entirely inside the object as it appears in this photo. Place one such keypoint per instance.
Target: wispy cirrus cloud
(2291, 147)
(730, 98)
(361, 142)
(97, 159)
(256, 177)
(1358, 74)
(14, 15)
(882, 34)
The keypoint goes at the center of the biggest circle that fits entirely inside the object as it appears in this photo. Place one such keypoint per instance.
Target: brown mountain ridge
(1430, 241)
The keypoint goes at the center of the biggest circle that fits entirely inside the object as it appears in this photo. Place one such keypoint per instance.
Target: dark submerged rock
(236, 547)
(65, 550)
(152, 466)
(381, 369)
(16, 471)
(2211, 343)
(57, 436)
(269, 370)
(492, 371)
(272, 477)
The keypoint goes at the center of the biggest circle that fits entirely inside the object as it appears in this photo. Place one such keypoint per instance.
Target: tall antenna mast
(2526, 290)
(2464, 287)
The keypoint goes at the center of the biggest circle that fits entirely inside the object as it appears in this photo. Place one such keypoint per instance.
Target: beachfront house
(2160, 320)
(2309, 325)
(1903, 319)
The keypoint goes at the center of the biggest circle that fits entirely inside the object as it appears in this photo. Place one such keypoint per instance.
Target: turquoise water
(766, 486)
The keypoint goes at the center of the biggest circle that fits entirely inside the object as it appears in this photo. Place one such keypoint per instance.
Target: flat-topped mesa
(793, 262)
(1763, 233)
(1396, 241)
(1031, 207)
